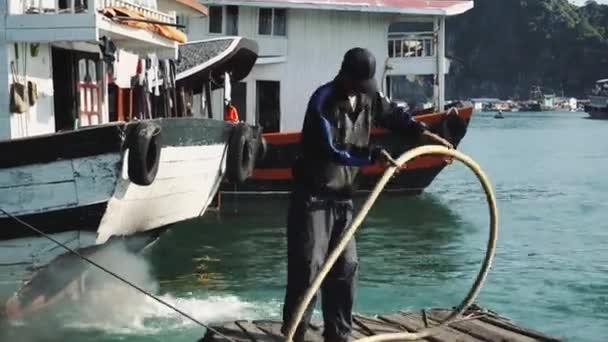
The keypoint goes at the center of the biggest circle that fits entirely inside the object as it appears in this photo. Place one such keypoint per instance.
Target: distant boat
(499, 115)
(539, 101)
(598, 105)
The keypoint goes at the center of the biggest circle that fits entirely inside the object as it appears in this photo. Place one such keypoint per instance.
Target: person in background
(231, 114)
(335, 143)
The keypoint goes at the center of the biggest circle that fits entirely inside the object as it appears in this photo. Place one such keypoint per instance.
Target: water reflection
(413, 238)
(242, 247)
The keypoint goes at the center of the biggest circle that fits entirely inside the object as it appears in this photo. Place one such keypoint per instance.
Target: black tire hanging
(262, 148)
(241, 154)
(453, 129)
(144, 153)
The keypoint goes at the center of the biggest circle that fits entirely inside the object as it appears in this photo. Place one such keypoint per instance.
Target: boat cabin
(74, 63)
(601, 87)
(301, 45)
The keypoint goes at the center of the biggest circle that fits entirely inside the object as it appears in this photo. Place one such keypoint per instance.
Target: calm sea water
(550, 171)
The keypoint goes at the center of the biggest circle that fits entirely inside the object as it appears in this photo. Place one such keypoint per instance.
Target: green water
(550, 171)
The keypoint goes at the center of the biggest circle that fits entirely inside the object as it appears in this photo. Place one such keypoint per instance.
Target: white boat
(102, 140)
(598, 104)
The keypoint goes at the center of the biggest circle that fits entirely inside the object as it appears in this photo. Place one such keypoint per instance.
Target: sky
(580, 2)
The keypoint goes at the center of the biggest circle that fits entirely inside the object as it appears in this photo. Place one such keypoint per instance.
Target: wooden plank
(96, 177)
(54, 172)
(314, 333)
(192, 153)
(413, 322)
(186, 168)
(357, 334)
(479, 329)
(154, 212)
(271, 328)
(103, 165)
(271, 331)
(486, 327)
(254, 333)
(506, 324)
(374, 326)
(37, 198)
(231, 330)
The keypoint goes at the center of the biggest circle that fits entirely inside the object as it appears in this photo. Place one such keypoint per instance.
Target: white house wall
(5, 131)
(39, 119)
(313, 49)
(316, 54)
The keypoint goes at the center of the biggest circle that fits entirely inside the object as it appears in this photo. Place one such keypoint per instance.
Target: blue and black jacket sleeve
(388, 115)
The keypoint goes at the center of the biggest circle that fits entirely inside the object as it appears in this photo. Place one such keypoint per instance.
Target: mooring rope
(116, 276)
(362, 214)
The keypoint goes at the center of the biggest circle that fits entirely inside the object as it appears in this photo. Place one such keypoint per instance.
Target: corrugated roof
(418, 7)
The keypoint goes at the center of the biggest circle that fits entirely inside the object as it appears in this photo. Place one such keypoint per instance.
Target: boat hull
(600, 113)
(78, 181)
(272, 175)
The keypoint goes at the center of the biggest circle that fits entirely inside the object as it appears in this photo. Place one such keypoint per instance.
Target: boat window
(82, 70)
(65, 6)
(88, 92)
(91, 71)
(415, 91)
(183, 20)
(265, 21)
(268, 109)
(64, 77)
(280, 22)
(398, 47)
(272, 21)
(232, 20)
(215, 19)
(407, 39)
(428, 48)
(77, 87)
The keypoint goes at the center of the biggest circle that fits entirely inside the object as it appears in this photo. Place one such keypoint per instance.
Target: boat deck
(477, 325)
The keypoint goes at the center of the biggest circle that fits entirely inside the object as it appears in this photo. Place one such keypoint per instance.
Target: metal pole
(441, 63)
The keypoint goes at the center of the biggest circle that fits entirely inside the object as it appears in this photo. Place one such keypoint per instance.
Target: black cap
(359, 65)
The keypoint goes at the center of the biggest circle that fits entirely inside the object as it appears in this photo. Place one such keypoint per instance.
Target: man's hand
(438, 139)
(443, 142)
(386, 159)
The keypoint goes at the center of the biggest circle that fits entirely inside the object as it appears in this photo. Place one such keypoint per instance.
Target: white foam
(113, 307)
(144, 315)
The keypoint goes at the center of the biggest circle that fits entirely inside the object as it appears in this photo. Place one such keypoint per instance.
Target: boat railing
(411, 44)
(599, 101)
(83, 6)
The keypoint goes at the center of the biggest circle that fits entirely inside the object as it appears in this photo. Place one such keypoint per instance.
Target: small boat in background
(541, 100)
(598, 105)
(499, 115)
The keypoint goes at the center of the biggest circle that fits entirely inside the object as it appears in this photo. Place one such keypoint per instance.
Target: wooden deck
(477, 325)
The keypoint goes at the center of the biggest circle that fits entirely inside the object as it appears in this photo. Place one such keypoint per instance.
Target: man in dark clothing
(335, 144)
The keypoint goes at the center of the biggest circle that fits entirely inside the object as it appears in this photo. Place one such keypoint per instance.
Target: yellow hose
(362, 214)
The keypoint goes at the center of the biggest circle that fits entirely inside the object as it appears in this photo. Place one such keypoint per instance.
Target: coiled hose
(362, 214)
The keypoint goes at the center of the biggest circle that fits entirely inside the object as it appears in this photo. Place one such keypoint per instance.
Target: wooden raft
(478, 326)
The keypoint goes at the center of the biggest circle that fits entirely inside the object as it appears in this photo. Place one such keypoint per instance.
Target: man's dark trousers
(314, 225)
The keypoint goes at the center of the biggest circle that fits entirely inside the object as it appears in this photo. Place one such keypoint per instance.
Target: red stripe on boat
(423, 162)
(429, 119)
